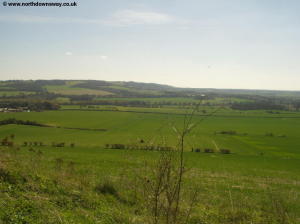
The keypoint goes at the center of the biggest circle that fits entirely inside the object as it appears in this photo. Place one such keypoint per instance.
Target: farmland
(257, 182)
(127, 126)
(67, 90)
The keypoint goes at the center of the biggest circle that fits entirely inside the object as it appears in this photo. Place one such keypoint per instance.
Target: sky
(236, 44)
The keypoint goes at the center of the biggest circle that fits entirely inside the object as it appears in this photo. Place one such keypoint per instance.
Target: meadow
(110, 152)
(68, 90)
(126, 127)
(258, 182)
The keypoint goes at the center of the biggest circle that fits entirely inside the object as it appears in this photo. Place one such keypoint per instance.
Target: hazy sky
(251, 44)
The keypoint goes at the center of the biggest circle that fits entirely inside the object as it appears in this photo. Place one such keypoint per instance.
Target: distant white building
(13, 110)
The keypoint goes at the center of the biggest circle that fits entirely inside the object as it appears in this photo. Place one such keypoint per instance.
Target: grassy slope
(141, 88)
(174, 99)
(228, 183)
(14, 93)
(69, 90)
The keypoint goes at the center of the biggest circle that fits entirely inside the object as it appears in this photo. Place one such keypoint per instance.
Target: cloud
(68, 53)
(103, 57)
(130, 17)
(119, 18)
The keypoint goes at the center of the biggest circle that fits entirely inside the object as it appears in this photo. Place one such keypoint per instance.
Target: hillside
(118, 88)
(78, 151)
(35, 94)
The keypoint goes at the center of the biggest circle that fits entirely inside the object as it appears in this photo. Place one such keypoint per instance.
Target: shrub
(209, 150)
(117, 146)
(31, 150)
(11, 178)
(39, 152)
(62, 144)
(225, 151)
(10, 144)
(107, 188)
(59, 163)
(5, 176)
(230, 132)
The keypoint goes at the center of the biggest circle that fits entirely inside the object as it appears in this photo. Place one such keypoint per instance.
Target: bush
(107, 188)
(11, 178)
(31, 150)
(21, 211)
(209, 150)
(62, 144)
(5, 176)
(225, 151)
(227, 132)
(59, 163)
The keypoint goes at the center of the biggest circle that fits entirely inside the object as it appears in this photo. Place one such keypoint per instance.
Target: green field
(172, 99)
(69, 90)
(59, 165)
(203, 110)
(4, 93)
(258, 164)
(124, 127)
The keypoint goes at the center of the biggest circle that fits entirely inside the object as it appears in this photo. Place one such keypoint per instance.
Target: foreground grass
(92, 185)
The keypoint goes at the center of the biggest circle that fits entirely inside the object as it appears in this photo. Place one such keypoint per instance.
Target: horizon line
(279, 90)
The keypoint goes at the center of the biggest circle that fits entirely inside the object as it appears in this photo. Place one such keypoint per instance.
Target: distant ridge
(121, 88)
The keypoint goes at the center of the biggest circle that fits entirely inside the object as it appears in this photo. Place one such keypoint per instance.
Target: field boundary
(35, 124)
(183, 114)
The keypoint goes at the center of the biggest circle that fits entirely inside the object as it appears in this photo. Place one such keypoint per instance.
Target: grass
(151, 99)
(174, 100)
(136, 91)
(14, 93)
(69, 90)
(258, 182)
(62, 100)
(125, 127)
(225, 111)
(249, 179)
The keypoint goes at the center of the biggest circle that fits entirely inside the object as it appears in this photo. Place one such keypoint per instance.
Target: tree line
(139, 147)
(21, 122)
(30, 104)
